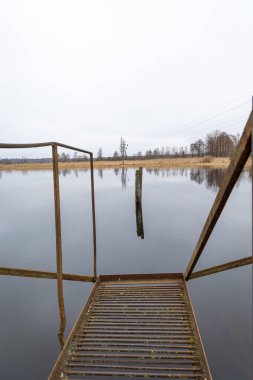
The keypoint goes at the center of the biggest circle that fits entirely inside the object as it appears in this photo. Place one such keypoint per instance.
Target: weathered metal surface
(135, 330)
(59, 275)
(58, 245)
(40, 145)
(42, 274)
(24, 146)
(93, 217)
(223, 267)
(234, 170)
(132, 278)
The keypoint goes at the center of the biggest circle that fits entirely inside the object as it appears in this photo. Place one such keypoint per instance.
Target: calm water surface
(175, 206)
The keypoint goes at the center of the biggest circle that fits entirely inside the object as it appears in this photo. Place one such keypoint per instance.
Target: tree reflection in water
(124, 177)
(211, 177)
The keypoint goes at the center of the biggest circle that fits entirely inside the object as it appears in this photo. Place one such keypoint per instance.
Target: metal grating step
(135, 329)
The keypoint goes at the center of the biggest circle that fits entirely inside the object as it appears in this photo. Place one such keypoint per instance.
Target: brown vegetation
(206, 161)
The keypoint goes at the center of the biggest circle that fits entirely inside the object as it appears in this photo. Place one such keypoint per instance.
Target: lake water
(175, 205)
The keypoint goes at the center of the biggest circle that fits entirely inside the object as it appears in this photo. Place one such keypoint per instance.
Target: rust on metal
(59, 275)
(93, 217)
(140, 277)
(42, 274)
(58, 245)
(141, 325)
(234, 170)
(222, 267)
(40, 145)
(122, 332)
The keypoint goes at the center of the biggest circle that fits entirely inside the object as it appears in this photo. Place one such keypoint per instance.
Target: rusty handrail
(93, 217)
(58, 245)
(40, 145)
(220, 268)
(59, 275)
(5, 271)
(234, 170)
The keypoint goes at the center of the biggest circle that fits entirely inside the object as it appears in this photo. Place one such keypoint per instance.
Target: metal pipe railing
(5, 271)
(58, 245)
(93, 217)
(40, 145)
(220, 268)
(234, 170)
(59, 275)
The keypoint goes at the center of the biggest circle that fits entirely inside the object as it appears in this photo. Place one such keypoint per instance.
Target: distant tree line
(216, 144)
(65, 157)
(24, 160)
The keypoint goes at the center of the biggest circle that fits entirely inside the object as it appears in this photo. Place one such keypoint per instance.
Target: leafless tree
(123, 148)
(100, 153)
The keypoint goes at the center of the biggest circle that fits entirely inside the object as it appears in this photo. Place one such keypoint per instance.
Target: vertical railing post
(252, 195)
(93, 216)
(58, 245)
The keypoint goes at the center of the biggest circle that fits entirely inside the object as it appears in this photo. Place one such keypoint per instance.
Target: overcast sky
(156, 72)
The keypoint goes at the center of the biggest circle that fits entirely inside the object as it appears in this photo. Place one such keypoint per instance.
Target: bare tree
(193, 149)
(115, 154)
(123, 148)
(200, 147)
(100, 153)
(220, 144)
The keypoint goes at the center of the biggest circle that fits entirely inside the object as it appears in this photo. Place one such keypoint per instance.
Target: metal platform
(135, 326)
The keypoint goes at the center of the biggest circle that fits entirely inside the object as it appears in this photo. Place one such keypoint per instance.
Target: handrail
(39, 145)
(58, 245)
(234, 170)
(93, 217)
(222, 267)
(4, 271)
(59, 275)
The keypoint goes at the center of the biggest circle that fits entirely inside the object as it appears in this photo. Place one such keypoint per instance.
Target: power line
(221, 125)
(194, 125)
(226, 104)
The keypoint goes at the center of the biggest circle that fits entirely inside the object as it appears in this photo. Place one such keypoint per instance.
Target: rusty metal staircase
(135, 326)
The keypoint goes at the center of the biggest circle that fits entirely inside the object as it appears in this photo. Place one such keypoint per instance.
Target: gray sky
(156, 72)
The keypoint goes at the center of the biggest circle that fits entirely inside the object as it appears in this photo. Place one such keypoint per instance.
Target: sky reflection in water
(175, 204)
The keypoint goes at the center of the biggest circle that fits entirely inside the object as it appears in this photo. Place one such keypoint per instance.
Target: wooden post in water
(58, 245)
(138, 203)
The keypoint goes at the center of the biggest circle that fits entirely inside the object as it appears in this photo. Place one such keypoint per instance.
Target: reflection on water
(211, 177)
(100, 173)
(175, 203)
(138, 203)
(124, 177)
(116, 171)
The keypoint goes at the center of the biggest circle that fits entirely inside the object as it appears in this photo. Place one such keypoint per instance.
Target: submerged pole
(138, 203)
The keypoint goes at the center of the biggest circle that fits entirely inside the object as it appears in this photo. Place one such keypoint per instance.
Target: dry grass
(152, 163)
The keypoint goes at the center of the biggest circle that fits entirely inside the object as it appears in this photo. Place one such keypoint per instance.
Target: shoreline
(163, 163)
